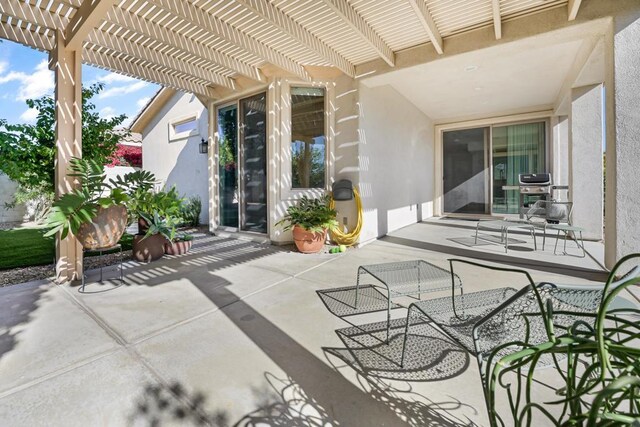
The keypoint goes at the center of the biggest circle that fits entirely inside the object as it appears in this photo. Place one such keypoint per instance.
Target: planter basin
(177, 248)
(105, 230)
(308, 242)
(149, 249)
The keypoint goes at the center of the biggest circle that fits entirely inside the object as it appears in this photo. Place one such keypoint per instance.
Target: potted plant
(178, 245)
(150, 246)
(94, 212)
(309, 220)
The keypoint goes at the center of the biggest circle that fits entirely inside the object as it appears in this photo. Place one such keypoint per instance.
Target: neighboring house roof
(148, 112)
(129, 138)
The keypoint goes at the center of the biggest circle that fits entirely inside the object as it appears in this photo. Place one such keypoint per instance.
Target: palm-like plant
(313, 215)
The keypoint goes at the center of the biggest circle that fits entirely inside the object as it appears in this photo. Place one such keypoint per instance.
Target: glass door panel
(516, 149)
(253, 149)
(227, 165)
(466, 171)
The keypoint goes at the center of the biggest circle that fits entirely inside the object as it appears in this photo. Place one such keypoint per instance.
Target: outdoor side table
(101, 252)
(504, 226)
(566, 229)
(407, 278)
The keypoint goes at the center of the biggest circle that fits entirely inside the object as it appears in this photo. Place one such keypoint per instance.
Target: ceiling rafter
(497, 18)
(26, 37)
(33, 14)
(87, 17)
(197, 16)
(352, 18)
(424, 15)
(574, 7)
(301, 35)
(138, 71)
(176, 40)
(136, 50)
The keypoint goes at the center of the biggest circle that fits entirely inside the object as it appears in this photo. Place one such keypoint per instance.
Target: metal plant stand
(101, 252)
(566, 229)
(407, 278)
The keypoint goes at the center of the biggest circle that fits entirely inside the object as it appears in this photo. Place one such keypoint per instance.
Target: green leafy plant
(597, 359)
(27, 151)
(80, 205)
(144, 203)
(313, 215)
(160, 225)
(191, 210)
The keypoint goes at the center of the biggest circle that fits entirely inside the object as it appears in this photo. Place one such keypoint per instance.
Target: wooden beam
(357, 23)
(153, 56)
(68, 136)
(424, 15)
(26, 38)
(270, 13)
(86, 18)
(33, 14)
(150, 29)
(200, 18)
(497, 18)
(142, 71)
(574, 7)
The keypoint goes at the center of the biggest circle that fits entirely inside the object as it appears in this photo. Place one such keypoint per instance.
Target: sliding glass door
(242, 164)
(516, 149)
(466, 171)
(481, 166)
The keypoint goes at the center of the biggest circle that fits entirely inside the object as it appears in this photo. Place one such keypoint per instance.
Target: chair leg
(533, 235)
(584, 252)
(357, 287)
(477, 227)
(556, 245)
(388, 314)
(506, 240)
(406, 335)
(544, 236)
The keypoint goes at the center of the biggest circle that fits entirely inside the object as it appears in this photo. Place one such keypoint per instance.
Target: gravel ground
(16, 276)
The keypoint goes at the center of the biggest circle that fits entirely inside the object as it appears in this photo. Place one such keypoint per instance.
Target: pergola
(213, 48)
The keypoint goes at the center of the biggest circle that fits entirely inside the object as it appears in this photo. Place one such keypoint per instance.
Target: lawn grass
(24, 247)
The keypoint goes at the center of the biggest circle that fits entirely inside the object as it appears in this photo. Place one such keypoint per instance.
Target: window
(308, 140)
(183, 128)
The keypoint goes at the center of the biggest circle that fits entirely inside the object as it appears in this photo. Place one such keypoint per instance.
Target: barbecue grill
(535, 183)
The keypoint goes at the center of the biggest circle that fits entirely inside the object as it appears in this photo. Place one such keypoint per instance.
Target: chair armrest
(509, 270)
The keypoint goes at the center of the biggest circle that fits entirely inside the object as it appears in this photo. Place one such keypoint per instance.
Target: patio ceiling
(208, 46)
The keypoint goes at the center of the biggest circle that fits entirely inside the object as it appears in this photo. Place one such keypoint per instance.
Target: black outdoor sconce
(204, 146)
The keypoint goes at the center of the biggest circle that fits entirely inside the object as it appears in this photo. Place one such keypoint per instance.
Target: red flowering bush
(127, 155)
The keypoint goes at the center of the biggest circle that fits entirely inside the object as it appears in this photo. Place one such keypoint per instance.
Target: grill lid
(535, 179)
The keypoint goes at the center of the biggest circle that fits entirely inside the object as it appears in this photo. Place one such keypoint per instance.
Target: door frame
(439, 129)
(216, 161)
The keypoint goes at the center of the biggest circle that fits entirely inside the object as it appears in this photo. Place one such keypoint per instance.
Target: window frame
(175, 136)
(299, 191)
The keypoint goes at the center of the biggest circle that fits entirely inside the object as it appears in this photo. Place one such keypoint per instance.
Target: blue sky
(24, 74)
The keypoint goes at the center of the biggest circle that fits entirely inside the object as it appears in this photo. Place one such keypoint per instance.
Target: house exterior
(429, 106)
(173, 125)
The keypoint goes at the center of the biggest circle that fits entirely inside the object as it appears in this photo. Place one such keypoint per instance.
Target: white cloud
(40, 82)
(108, 112)
(115, 77)
(122, 90)
(29, 116)
(3, 67)
(143, 101)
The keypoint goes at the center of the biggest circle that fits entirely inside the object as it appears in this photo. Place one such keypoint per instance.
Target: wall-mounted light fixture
(204, 146)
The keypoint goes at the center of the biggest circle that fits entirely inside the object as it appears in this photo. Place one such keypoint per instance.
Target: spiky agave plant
(597, 359)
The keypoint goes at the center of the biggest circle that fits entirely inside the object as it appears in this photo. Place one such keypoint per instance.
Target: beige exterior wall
(178, 161)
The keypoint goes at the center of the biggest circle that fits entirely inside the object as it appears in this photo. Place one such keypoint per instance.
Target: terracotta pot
(105, 230)
(149, 249)
(143, 225)
(308, 242)
(177, 248)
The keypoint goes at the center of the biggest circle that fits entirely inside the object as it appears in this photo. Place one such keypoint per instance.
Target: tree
(27, 152)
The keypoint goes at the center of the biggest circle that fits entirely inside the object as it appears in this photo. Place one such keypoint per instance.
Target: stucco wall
(178, 162)
(7, 189)
(396, 161)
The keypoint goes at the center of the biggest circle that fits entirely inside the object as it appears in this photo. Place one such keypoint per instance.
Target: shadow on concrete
(565, 270)
(413, 408)
(18, 304)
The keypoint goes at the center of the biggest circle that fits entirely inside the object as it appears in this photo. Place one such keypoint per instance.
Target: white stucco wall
(178, 162)
(7, 189)
(396, 150)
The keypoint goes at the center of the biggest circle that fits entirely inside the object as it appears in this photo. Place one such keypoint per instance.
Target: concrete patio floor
(234, 333)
